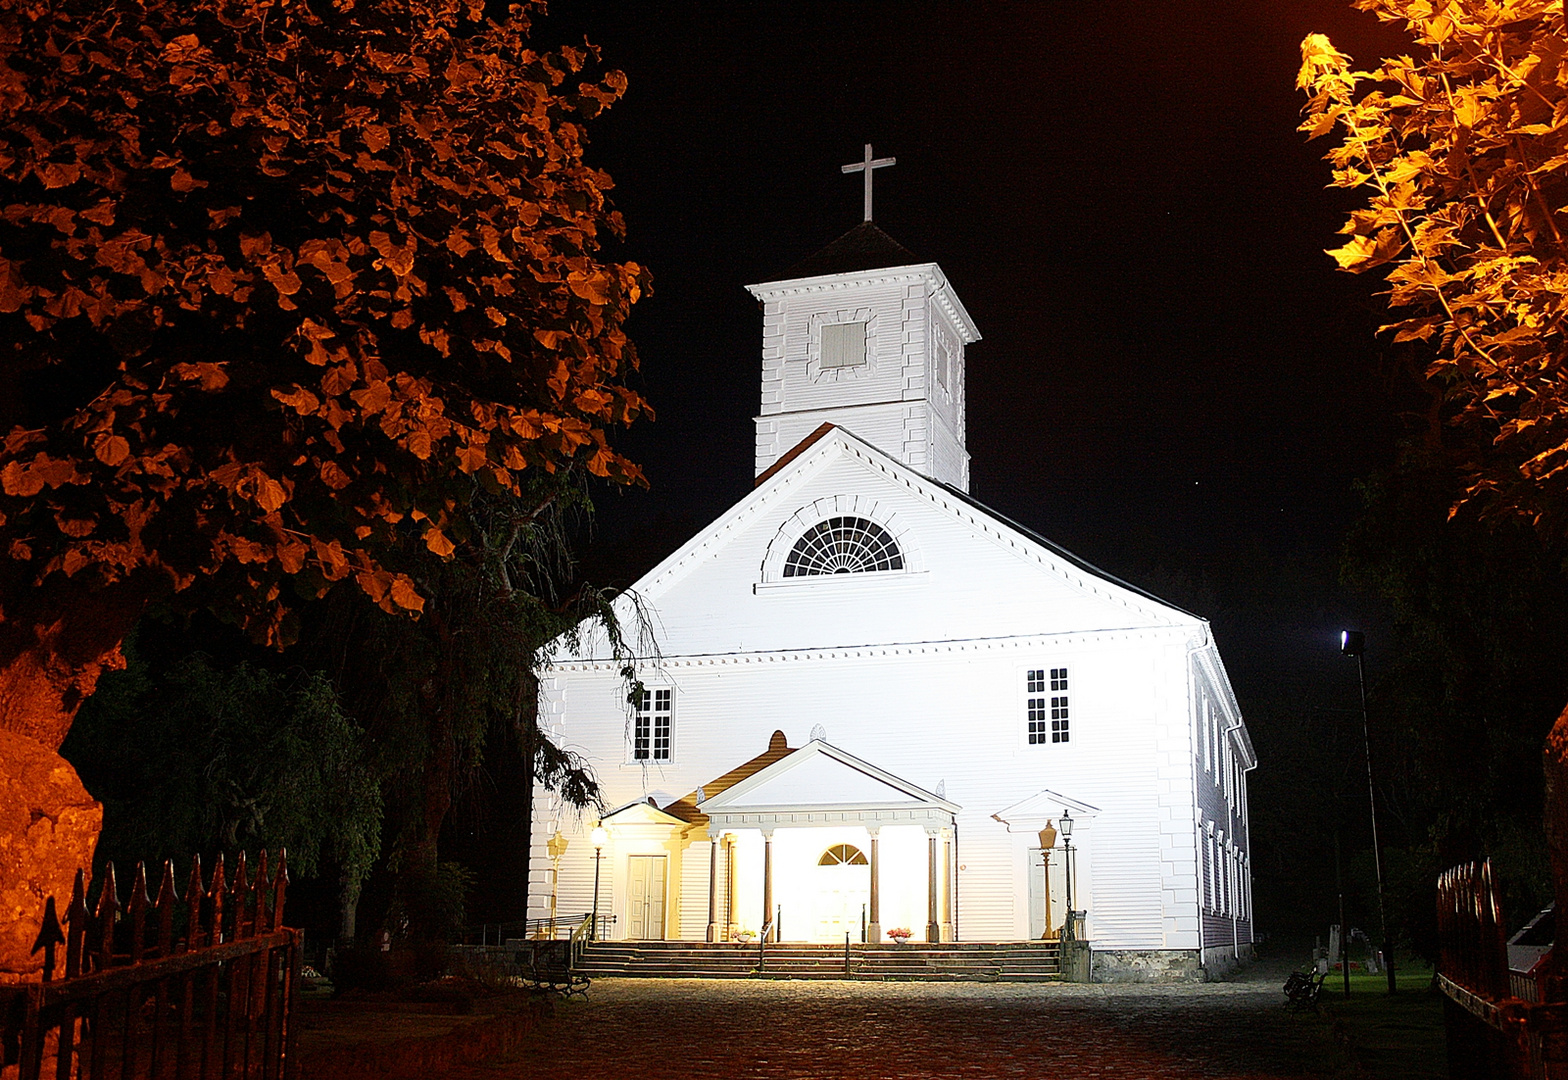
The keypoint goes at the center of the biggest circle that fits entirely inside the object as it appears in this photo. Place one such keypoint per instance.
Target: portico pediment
(821, 784)
(641, 817)
(1030, 815)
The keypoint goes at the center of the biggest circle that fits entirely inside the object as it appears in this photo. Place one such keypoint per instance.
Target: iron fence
(201, 987)
(1493, 1034)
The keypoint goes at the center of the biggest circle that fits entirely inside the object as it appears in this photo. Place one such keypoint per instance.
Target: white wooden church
(871, 693)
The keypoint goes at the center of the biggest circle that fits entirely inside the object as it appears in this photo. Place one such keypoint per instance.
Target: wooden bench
(1303, 988)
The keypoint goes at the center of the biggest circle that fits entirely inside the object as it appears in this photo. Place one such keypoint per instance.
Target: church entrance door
(645, 893)
(843, 890)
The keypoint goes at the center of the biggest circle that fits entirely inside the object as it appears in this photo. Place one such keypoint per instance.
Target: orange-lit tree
(282, 282)
(1462, 150)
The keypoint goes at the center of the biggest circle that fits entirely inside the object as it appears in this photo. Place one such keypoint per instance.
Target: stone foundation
(1220, 962)
(1147, 966)
(1165, 965)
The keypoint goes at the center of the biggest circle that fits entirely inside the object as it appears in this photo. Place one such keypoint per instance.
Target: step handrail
(762, 945)
(577, 941)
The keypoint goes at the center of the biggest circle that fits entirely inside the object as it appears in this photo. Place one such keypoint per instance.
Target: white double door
(647, 886)
(842, 894)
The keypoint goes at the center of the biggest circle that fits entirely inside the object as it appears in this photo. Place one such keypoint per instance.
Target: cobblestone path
(695, 1028)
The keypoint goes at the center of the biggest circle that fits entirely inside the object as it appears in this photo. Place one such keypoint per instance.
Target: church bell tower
(866, 336)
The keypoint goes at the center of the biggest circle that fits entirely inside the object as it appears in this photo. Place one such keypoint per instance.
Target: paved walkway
(730, 1029)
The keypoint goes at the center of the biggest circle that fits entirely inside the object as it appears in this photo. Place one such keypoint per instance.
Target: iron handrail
(762, 945)
(585, 932)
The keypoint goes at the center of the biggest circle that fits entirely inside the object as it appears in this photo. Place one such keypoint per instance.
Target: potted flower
(899, 934)
(745, 937)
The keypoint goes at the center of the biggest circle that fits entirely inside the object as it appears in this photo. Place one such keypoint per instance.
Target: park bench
(1303, 988)
(547, 966)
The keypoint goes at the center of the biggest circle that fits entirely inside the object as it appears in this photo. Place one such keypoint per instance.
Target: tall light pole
(1354, 643)
(556, 846)
(598, 838)
(1047, 842)
(1069, 931)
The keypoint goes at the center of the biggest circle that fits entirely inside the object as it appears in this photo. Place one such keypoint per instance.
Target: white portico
(824, 819)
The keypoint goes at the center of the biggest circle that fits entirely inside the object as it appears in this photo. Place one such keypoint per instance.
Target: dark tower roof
(865, 247)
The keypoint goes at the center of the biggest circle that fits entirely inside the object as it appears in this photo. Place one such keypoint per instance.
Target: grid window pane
(651, 727)
(1047, 717)
(843, 545)
(1037, 721)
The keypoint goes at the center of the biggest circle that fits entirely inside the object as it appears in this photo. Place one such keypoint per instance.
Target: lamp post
(1069, 931)
(556, 846)
(598, 838)
(1047, 842)
(1353, 643)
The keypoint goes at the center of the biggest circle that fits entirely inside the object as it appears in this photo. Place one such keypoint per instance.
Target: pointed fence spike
(137, 912)
(280, 888)
(193, 905)
(49, 935)
(165, 908)
(261, 923)
(108, 908)
(238, 893)
(215, 893)
(76, 918)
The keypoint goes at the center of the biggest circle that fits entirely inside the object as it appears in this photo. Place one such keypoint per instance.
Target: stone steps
(957, 961)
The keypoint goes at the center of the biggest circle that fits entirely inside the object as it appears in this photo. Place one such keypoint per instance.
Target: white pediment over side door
(1030, 815)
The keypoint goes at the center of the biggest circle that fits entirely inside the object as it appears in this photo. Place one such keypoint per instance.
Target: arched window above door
(842, 855)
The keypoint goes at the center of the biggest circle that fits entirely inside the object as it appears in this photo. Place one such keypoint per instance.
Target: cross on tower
(865, 166)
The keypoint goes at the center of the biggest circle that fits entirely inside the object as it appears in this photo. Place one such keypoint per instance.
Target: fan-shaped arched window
(843, 545)
(842, 855)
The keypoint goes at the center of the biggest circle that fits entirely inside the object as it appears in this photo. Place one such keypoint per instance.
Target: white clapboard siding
(694, 893)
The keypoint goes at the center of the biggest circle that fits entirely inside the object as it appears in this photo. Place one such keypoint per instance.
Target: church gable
(844, 546)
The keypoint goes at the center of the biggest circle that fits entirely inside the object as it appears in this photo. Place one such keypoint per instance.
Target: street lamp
(1069, 932)
(1047, 842)
(598, 838)
(1354, 643)
(556, 846)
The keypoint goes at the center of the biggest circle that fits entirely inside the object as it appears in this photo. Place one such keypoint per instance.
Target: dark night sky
(1173, 382)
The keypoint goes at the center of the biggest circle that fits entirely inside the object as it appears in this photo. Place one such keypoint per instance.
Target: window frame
(1047, 705)
(845, 340)
(821, 540)
(645, 724)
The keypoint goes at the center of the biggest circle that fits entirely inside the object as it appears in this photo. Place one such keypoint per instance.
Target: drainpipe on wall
(1197, 839)
(1235, 813)
(953, 915)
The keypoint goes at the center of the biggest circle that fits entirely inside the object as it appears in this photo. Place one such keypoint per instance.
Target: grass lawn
(1397, 1037)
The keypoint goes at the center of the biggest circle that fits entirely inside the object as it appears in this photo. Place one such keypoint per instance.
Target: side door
(645, 896)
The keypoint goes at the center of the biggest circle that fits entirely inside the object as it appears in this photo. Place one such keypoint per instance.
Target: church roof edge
(865, 247)
(1057, 549)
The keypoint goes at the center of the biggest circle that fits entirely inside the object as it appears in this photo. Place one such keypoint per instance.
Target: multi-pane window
(651, 727)
(843, 545)
(842, 855)
(1047, 705)
(843, 345)
(1212, 877)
